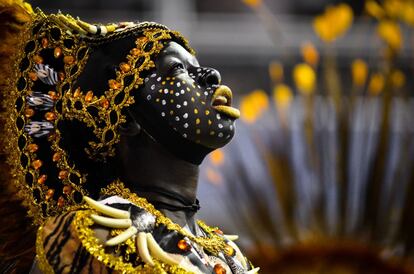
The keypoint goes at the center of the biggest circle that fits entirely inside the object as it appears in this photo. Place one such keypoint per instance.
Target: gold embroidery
(213, 243)
(83, 223)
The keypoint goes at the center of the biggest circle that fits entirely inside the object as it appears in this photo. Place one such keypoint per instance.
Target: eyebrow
(193, 60)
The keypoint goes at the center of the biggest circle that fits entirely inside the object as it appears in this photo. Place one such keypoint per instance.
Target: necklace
(213, 243)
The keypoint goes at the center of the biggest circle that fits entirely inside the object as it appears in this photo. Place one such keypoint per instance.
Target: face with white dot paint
(182, 93)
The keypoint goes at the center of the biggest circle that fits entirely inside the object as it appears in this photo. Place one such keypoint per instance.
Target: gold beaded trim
(43, 34)
(213, 243)
(43, 264)
(108, 106)
(83, 223)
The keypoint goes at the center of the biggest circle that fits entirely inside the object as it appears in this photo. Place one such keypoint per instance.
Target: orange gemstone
(229, 250)
(56, 157)
(125, 67)
(105, 103)
(37, 164)
(219, 269)
(218, 231)
(32, 147)
(42, 179)
(61, 75)
(50, 116)
(89, 96)
(53, 95)
(38, 59)
(135, 52)
(113, 84)
(77, 93)
(45, 42)
(67, 190)
(63, 174)
(61, 201)
(183, 245)
(142, 40)
(69, 59)
(29, 112)
(49, 193)
(32, 75)
(57, 52)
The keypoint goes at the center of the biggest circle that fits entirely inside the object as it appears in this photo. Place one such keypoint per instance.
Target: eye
(176, 67)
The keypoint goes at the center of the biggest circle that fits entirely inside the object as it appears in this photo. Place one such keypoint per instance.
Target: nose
(210, 77)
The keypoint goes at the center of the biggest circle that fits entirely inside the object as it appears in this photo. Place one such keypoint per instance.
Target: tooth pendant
(117, 218)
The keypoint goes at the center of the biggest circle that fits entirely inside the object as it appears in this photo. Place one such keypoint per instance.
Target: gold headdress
(43, 95)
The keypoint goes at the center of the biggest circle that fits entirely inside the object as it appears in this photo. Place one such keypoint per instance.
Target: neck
(146, 165)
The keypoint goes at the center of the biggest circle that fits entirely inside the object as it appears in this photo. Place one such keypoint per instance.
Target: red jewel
(61, 201)
(69, 59)
(29, 112)
(183, 245)
(56, 157)
(77, 93)
(67, 190)
(49, 193)
(125, 67)
(33, 76)
(45, 42)
(135, 51)
(219, 269)
(53, 95)
(218, 231)
(42, 179)
(105, 103)
(32, 147)
(57, 52)
(63, 174)
(89, 96)
(113, 84)
(50, 116)
(37, 164)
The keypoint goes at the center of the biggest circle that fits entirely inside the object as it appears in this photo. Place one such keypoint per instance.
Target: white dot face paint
(183, 100)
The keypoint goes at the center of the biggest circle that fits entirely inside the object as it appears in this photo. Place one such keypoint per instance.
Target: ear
(131, 126)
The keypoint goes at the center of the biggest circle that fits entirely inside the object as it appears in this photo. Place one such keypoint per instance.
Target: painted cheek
(186, 107)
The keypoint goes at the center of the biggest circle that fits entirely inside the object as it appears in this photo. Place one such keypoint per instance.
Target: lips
(221, 102)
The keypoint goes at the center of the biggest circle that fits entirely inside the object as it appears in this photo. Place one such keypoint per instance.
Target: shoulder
(60, 249)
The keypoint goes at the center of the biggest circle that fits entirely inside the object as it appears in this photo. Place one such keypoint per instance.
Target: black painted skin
(143, 161)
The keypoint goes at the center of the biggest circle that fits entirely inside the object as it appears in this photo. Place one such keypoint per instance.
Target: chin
(223, 138)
